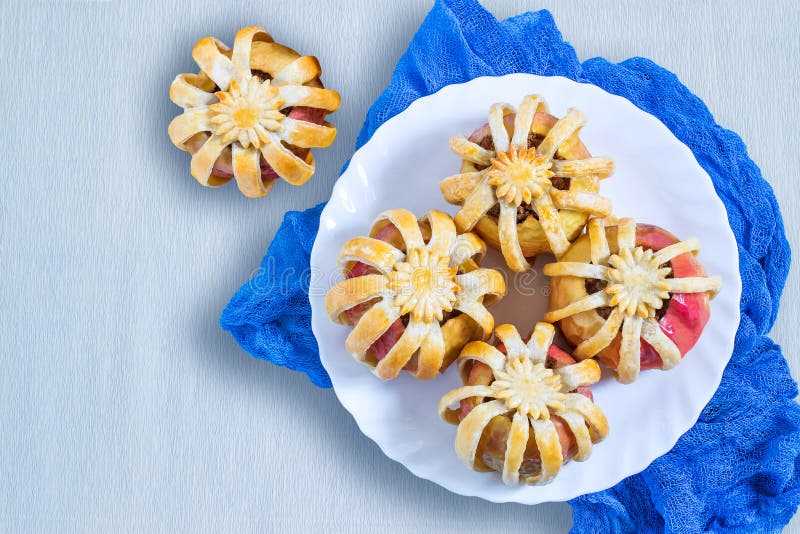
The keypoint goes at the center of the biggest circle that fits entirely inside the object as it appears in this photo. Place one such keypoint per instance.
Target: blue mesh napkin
(735, 470)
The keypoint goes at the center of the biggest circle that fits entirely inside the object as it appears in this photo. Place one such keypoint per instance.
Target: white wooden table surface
(123, 406)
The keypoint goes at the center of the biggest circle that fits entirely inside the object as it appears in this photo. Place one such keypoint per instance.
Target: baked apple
(251, 113)
(527, 182)
(525, 408)
(414, 292)
(632, 296)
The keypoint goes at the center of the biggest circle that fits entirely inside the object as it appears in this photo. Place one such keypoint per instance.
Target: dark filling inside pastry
(261, 75)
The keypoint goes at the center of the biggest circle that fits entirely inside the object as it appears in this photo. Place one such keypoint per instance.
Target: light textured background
(122, 404)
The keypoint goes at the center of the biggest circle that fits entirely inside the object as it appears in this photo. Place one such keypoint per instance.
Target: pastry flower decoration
(636, 285)
(424, 283)
(251, 113)
(531, 393)
(517, 177)
(247, 114)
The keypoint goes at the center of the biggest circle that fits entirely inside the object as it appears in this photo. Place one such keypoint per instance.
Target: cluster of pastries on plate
(625, 296)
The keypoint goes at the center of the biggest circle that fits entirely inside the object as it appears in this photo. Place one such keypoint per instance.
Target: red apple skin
(491, 449)
(687, 313)
(557, 358)
(223, 167)
(482, 133)
(383, 344)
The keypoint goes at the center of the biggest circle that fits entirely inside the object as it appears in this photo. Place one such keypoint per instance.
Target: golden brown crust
(522, 420)
(492, 177)
(427, 272)
(235, 119)
(636, 284)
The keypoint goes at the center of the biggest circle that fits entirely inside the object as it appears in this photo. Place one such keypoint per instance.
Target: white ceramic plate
(657, 181)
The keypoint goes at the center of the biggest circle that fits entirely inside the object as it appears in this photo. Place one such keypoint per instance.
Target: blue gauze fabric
(736, 469)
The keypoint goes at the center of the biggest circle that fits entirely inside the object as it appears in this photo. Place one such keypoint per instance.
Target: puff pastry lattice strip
(516, 177)
(433, 285)
(530, 393)
(237, 110)
(636, 285)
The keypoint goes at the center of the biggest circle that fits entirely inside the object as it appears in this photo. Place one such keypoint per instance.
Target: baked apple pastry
(414, 293)
(631, 295)
(251, 113)
(525, 408)
(527, 182)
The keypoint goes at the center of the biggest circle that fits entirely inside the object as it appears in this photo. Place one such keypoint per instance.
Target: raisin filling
(261, 75)
(593, 285)
(524, 211)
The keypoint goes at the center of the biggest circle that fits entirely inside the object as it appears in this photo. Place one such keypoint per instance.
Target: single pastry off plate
(527, 183)
(631, 295)
(414, 293)
(252, 113)
(525, 409)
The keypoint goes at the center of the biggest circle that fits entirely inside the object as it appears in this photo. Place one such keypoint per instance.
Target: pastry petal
(242, 48)
(601, 338)
(300, 71)
(560, 132)
(466, 149)
(579, 374)
(629, 350)
(549, 450)
(406, 223)
(663, 345)
(524, 120)
(203, 160)
(475, 206)
(601, 167)
(443, 233)
(374, 252)
(510, 338)
(551, 225)
(497, 126)
(509, 238)
(469, 431)
(516, 443)
(431, 353)
(306, 134)
(540, 341)
(287, 165)
(247, 171)
(352, 292)
(208, 54)
(370, 327)
(402, 351)
(187, 95)
(315, 97)
(590, 203)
